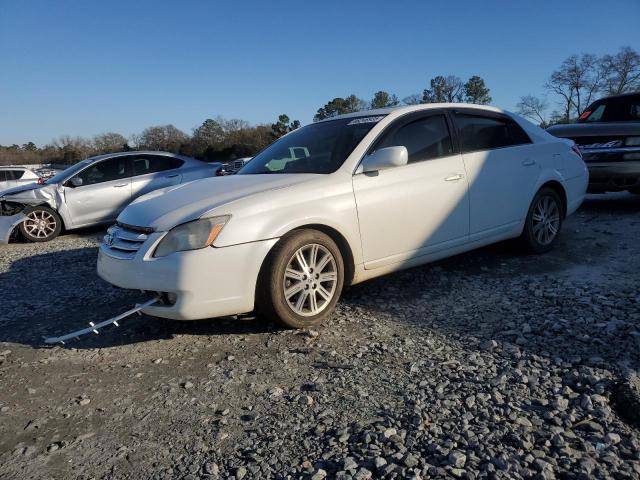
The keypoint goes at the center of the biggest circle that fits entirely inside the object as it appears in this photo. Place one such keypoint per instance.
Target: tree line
(217, 139)
(578, 81)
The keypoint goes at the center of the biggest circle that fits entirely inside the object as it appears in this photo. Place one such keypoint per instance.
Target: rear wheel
(42, 224)
(301, 280)
(543, 222)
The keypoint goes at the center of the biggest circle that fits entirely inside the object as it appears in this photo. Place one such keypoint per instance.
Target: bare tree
(534, 108)
(621, 71)
(164, 137)
(413, 99)
(109, 143)
(443, 89)
(578, 80)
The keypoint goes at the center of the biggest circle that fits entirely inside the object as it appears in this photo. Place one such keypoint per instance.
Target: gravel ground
(487, 365)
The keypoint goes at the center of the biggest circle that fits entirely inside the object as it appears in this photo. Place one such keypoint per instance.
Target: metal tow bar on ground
(95, 327)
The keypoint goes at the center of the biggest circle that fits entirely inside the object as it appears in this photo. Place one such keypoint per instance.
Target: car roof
(11, 167)
(415, 108)
(138, 152)
(621, 95)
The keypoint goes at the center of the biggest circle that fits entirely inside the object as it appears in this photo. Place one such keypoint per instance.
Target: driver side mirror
(75, 181)
(384, 158)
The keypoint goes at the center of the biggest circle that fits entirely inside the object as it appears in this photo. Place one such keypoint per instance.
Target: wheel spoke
(327, 277)
(291, 273)
(323, 263)
(293, 290)
(313, 256)
(301, 300)
(324, 293)
(313, 302)
(301, 260)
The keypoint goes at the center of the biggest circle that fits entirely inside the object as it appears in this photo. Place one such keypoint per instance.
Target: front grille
(124, 242)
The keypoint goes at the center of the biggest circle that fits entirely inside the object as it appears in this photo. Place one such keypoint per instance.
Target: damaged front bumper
(8, 225)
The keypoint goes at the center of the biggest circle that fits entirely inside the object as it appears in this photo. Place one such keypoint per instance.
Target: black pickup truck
(608, 135)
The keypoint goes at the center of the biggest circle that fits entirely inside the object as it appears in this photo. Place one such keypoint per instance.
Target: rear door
(151, 172)
(502, 170)
(105, 191)
(418, 208)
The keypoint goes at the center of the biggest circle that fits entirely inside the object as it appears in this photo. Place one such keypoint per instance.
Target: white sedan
(341, 201)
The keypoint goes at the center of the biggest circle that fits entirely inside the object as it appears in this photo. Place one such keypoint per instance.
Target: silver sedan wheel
(546, 220)
(40, 224)
(310, 280)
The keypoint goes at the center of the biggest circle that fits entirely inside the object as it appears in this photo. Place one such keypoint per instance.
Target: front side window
(317, 148)
(425, 139)
(152, 164)
(105, 171)
(488, 133)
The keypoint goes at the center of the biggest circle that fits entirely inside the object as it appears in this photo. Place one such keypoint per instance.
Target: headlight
(632, 141)
(191, 236)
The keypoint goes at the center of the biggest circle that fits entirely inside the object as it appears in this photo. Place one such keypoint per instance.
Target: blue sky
(88, 67)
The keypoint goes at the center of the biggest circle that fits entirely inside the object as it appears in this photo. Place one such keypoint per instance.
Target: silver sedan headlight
(191, 236)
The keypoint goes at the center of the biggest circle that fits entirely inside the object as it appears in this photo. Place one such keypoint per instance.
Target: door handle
(454, 178)
(527, 162)
(120, 185)
(173, 175)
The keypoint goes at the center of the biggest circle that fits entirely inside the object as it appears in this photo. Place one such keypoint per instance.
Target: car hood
(575, 130)
(165, 208)
(31, 194)
(21, 188)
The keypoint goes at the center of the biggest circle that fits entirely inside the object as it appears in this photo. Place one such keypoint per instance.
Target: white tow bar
(94, 327)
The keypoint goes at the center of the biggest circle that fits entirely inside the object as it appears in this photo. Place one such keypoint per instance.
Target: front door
(418, 208)
(103, 194)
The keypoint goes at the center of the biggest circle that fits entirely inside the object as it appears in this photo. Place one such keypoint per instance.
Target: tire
(43, 224)
(291, 294)
(544, 221)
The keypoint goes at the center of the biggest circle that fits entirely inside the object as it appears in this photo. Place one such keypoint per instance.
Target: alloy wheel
(310, 280)
(40, 224)
(546, 220)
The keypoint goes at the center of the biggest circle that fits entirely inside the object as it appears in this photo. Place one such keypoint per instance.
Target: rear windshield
(619, 109)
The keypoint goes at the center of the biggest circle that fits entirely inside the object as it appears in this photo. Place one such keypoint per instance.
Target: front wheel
(301, 280)
(42, 224)
(543, 223)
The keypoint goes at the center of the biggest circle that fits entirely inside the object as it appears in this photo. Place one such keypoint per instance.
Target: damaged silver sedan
(93, 191)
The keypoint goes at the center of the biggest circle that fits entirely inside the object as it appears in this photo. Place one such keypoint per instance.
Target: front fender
(334, 207)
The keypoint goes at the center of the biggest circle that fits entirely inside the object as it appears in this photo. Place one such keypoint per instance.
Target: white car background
(94, 191)
(370, 193)
(16, 176)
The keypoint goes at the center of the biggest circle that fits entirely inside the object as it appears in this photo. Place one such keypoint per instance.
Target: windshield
(63, 175)
(317, 148)
(617, 109)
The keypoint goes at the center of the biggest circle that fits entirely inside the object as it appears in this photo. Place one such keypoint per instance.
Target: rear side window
(426, 138)
(11, 174)
(488, 133)
(152, 164)
(3, 176)
(616, 109)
